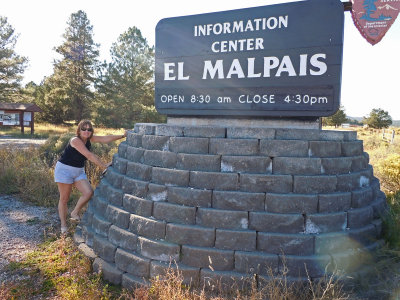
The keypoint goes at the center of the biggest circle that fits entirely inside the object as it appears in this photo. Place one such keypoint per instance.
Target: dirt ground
(22, 228)
(21, 143)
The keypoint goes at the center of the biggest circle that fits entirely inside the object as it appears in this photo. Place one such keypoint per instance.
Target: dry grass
(44, 130)
(5, 291)
(56, 270)
(23, 172)
(383, 156)
(171, 286)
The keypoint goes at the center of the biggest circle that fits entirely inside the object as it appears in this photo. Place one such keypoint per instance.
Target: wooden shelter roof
(29, 107)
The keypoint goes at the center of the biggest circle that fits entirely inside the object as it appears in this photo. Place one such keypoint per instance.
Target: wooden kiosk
(18, 114)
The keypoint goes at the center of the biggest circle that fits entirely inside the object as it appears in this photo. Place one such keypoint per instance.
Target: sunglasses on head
(86, 129)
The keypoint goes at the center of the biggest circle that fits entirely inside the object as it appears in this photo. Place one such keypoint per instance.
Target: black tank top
(73, 157)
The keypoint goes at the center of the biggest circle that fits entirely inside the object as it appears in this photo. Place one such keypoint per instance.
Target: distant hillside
(359, 119)
(395, 123)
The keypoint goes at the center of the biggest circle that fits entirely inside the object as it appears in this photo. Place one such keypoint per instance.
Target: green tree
(12, 66)
(126, 92)
(54, 99)
(28, 93)
(378, 118)
(71, 86)
(337, 119)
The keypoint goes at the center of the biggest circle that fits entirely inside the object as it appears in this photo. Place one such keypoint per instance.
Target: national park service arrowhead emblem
(373, 18)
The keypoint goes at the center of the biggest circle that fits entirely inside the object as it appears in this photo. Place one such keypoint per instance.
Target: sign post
(280, 60)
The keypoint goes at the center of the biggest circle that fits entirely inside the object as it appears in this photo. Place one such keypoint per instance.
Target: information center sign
(277, 60)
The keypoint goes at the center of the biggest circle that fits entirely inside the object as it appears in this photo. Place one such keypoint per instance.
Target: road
(20, 143)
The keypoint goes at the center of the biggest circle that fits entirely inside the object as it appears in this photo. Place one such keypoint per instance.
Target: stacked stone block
(233, 204)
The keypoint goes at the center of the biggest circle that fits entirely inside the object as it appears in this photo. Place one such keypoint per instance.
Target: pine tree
(127, 88)
(71, 85)
(12, 66)
(337, 119)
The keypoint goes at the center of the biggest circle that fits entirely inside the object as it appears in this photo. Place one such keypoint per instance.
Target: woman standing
(69, 170)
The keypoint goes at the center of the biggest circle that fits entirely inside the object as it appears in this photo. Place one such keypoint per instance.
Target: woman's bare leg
(65, 191)
(87, 192)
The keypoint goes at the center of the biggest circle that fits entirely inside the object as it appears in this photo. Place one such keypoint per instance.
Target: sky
(370, 74)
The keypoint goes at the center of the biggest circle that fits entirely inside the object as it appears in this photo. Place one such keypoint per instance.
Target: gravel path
(20, 143)
(22, 228)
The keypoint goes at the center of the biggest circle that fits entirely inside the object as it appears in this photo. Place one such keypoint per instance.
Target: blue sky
(370, 77)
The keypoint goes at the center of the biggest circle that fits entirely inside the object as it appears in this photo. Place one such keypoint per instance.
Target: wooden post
(21, 121)
(393, 132)
(32, 123)
(347, 6)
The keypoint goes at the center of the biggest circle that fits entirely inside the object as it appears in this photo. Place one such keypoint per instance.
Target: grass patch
(8, 184)
(59, 270)
(383, 279)
(391, 222)
(45, 130)
(42, 131)
(23, 172)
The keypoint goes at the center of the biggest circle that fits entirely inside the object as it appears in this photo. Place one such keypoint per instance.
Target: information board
(276, 60)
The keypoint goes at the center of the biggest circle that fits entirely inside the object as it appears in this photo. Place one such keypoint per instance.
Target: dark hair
(82, 124)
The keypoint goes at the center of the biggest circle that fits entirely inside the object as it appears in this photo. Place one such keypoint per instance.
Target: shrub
(8, 183)
(373, 141)
(391, 223)
(51, 151)
(23, 172)
(105, 152)
(388, 171)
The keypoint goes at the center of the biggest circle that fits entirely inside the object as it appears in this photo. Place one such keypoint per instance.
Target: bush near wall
(391, 224)
(23, 172)
(30, 172)
(51, 151)
(388, 171)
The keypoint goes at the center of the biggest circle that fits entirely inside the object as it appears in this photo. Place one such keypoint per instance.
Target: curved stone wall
(231, 203)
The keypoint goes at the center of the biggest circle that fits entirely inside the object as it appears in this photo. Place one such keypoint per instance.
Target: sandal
(75, 219)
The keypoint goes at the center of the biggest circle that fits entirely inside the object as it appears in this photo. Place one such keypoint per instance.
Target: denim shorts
(68, 174)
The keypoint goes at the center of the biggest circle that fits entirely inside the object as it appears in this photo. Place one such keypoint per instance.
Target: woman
(69, 170)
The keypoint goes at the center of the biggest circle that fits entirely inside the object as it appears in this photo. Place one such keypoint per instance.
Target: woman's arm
(78, 144)
(107, 138)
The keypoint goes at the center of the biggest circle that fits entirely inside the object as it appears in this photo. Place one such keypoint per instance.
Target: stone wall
(230, 203)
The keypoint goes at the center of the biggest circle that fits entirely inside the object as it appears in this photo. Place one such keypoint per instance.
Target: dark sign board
(277, 60)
